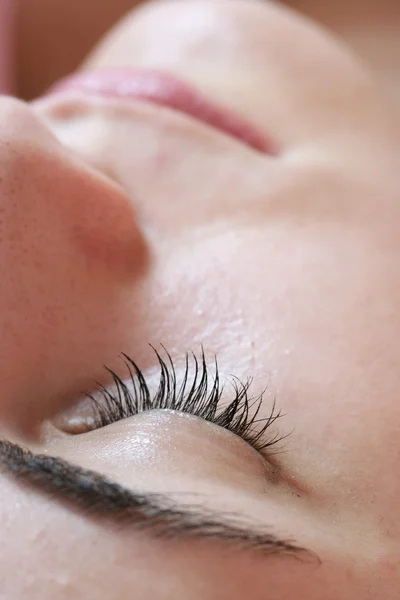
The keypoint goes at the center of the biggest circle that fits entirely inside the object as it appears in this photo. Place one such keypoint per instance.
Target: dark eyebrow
(157, 514)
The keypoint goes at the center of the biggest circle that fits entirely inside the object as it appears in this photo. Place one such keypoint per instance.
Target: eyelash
(196, 395)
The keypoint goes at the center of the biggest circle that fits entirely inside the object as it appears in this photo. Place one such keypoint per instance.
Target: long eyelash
(197, 395)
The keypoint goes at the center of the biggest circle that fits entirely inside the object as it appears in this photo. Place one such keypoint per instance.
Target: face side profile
(125, 224)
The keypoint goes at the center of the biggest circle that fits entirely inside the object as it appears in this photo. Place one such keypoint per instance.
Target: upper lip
(166, 90)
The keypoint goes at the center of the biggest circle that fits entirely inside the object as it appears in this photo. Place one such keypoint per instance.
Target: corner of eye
(77, 419)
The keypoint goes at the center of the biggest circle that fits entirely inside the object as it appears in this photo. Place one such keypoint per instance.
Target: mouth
(165, 90)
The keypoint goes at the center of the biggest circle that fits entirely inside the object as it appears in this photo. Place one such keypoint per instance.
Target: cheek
(196, 297)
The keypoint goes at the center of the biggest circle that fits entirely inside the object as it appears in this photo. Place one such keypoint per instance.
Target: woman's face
(124, 223)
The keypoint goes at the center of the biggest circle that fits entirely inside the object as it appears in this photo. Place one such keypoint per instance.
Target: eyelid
(199, 392)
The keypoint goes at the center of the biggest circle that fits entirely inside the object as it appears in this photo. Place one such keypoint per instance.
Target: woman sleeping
(199, 315)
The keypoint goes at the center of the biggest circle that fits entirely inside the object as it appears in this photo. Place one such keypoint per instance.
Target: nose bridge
(70, 250)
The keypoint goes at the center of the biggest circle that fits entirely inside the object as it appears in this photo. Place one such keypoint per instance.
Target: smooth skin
(165, 231)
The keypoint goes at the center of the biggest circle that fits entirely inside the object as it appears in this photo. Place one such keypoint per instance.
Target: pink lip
(165, 90)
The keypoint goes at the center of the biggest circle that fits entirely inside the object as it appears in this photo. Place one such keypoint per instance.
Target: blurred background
(42, 40)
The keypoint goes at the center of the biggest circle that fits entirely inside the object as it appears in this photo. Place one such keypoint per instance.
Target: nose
(70, 249)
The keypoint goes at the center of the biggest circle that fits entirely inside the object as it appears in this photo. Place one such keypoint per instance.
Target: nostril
(103, 224)
(19, 125)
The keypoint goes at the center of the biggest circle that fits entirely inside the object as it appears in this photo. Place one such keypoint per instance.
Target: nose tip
(70, 248)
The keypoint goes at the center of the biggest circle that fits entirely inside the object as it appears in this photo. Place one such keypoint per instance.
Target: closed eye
(198, 393)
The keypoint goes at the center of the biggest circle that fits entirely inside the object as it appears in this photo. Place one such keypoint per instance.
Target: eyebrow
(96, 495)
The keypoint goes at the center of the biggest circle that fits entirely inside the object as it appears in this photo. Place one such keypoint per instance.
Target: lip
(165, 90)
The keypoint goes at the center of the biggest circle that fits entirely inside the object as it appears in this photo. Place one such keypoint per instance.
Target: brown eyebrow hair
(157, 514)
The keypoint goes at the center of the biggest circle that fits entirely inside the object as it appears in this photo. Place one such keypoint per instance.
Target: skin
(285, 267)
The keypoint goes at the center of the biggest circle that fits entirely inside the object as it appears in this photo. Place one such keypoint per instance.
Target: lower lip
(165, 90)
